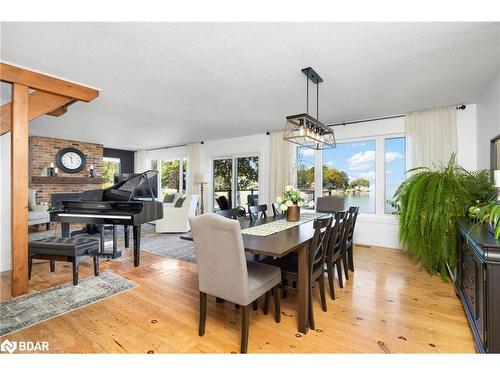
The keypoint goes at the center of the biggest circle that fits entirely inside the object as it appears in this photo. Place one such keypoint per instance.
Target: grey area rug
(22, 312)
(163, 244)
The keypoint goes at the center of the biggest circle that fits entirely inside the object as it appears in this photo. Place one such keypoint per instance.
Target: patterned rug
(22, 312)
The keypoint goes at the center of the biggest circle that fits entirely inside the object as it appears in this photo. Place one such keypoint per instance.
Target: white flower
(311, 204)
(288, 188)
(303, 195)
(279, 200)
(284, 207)
(289, 203)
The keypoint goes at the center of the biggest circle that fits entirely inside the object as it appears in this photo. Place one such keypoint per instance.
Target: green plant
(487, 213)
(478, 184)
(429, 199)
(290, 197)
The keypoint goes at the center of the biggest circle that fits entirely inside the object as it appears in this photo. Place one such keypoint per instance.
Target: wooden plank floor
(388, 306)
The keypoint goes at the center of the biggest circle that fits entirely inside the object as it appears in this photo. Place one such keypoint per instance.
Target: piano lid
(130, 187)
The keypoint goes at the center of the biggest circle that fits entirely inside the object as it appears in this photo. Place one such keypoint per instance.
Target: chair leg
(96, 264)
(338, 264)
(277, 305)
(345, 265)
(285, 291)
(266, 303)
(244, 328)
(351, 257)
(321, 282)
(203, 314)
(255, 305)
(76, 264)
(311, 311)
(52, 265)
(30, 266)
(329, 269)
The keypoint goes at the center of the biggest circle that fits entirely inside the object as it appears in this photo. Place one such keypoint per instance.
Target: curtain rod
(458, 107)
(163, 147)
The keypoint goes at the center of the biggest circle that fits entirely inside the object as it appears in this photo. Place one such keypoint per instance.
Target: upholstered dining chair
(224, 272)
(257, 212)
(349, 244)
(334, 252)
(317, 251)
(329, 204)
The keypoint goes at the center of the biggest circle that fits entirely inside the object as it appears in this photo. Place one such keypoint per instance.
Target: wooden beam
(13, 74)
(62, 110)
(40, 103)
(19, 189)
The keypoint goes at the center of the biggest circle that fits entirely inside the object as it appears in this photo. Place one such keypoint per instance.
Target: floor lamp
(201, 178)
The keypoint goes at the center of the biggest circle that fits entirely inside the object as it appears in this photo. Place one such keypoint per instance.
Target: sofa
(175, 219)
(38, 213)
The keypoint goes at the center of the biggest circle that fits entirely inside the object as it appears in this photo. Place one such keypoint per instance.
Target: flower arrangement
(292, 197)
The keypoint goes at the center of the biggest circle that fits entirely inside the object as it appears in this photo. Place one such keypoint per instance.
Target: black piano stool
(64, 249)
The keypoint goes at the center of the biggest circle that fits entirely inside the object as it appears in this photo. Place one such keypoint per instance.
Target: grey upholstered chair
(330, 204)
(224, 272)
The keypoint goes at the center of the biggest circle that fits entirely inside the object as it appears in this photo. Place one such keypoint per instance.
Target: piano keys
(121, 204)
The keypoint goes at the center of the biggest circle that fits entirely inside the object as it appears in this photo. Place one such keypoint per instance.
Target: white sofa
(39, 213)
(175, 219)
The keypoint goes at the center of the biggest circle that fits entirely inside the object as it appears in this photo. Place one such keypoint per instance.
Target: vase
(293, 213)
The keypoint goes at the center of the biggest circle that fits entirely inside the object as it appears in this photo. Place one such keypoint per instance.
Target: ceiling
(175, 83)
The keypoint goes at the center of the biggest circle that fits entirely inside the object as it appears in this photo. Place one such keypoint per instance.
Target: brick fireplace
(43, 151)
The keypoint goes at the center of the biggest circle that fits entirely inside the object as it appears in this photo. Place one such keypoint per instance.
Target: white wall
(467, 137)
(488, 121)
(5, 232)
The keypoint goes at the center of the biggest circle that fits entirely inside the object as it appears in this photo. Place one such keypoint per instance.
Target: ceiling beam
(39, 102)
(13, 74)
(62, 110)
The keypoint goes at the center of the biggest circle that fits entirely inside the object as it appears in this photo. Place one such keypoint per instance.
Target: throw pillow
(169, 198)
(179, 202)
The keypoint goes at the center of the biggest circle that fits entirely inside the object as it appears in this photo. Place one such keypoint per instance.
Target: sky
(357, 159)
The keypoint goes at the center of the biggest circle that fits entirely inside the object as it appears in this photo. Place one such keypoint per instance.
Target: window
(110, 167)
(235, 178)
(172, 175)
(305, 172)
(349, 172)
(395, 166)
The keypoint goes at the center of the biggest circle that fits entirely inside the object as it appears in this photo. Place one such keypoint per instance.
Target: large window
(110, 167)
(395, 167)
(172, 175)
(305, 171)
(235, 178)
(349, 172)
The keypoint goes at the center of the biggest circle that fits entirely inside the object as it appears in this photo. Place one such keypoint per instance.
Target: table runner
(279, 225)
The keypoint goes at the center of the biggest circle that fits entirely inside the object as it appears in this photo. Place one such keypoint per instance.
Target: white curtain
(431, 137)
(141, 161)
(282, 165)
(193, 167)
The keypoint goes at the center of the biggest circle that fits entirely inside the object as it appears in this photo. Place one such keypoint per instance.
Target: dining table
(293, 239)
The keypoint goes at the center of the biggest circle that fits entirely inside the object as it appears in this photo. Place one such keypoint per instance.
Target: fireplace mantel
(66, 180)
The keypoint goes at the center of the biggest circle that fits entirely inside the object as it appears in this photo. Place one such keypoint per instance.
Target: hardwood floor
(389, 305)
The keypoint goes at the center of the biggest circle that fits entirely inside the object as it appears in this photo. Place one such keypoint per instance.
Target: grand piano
(121, 204)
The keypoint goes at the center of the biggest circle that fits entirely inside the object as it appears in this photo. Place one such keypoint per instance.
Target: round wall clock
(71, 160)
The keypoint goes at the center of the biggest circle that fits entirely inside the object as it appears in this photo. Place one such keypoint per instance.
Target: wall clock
(71, 160)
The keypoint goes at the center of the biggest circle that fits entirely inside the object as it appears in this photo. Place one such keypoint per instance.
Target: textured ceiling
(173, 83)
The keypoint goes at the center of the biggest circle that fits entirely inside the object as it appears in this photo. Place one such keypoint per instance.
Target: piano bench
(64, 249)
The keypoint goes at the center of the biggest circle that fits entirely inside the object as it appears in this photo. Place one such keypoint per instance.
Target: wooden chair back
(276, 209)
(352, 215)
(336, 234)
(257, 212)
(231, 213)
(319, 244)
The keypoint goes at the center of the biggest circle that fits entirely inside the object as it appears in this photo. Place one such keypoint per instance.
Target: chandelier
(305, 130)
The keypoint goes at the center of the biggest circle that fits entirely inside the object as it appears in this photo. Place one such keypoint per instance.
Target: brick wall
(43, 151)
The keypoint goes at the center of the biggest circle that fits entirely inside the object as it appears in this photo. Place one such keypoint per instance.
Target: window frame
(380, 188)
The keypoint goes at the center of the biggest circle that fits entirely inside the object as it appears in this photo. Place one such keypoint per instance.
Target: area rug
(170, 246)
(22, 312)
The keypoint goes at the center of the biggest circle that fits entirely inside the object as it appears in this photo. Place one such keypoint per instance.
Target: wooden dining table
(277, 245)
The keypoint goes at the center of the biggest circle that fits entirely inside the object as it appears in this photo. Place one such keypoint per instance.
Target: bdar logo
(8, 346)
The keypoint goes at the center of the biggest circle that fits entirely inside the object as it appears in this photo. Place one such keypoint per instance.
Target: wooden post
(19, 189)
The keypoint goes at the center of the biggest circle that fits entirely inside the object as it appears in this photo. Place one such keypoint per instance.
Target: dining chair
(276, 209)
(224, 272)
(223, 203)
(334, 252)
(353, 214)
(256, 210)
(252, 200)
(231, 213)
(329, 204)
(316, 261)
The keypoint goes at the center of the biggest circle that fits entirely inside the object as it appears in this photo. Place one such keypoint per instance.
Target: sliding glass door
(235, 178)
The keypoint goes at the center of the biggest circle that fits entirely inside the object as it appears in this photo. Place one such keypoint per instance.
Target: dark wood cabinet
(477, 283)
